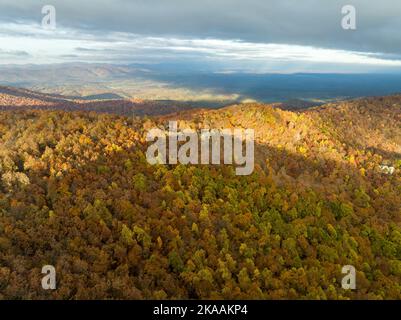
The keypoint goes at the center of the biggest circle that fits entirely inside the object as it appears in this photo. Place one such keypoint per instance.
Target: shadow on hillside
(71, 244)
(25, 93)
(387, 155)
(297, 173)
(118, 107)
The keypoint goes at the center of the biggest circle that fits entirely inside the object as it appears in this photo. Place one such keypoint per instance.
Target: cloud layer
(279, 35)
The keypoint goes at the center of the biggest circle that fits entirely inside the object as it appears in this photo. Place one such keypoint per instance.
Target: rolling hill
(77, 192)
(12, 98)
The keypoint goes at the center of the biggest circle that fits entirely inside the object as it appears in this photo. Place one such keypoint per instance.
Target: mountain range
(208, 87)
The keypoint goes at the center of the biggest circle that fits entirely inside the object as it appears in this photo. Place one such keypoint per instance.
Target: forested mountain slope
(77, 193)
(23, 99)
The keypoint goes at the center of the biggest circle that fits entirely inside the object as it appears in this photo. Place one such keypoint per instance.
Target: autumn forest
(76, 192)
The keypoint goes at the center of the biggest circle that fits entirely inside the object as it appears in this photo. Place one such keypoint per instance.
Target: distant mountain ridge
(24, 99)
(161, 82)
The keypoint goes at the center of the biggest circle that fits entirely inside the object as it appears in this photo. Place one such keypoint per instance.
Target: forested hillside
(22, 99)
(77, 192)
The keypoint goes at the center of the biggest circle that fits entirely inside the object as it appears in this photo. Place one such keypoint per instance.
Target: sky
(259, 36)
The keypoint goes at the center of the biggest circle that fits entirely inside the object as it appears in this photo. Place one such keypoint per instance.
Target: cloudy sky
(224, 35)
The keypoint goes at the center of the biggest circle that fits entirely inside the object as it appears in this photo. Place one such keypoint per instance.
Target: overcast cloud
(265, 35)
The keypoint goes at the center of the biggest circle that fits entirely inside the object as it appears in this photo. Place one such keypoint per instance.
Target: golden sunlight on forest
(76, 192)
